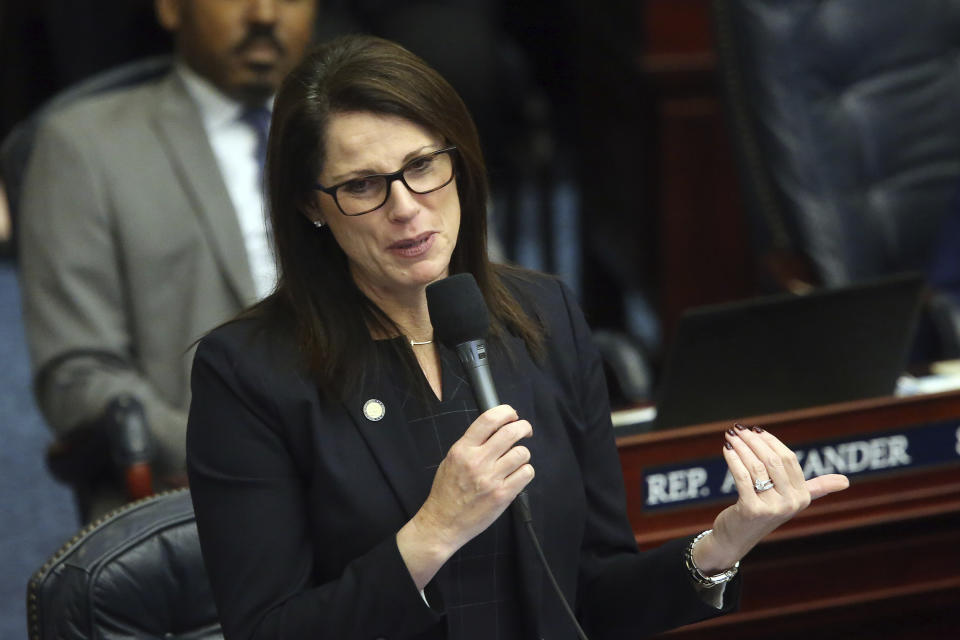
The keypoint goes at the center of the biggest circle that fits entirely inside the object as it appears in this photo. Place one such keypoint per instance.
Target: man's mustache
(260, 35)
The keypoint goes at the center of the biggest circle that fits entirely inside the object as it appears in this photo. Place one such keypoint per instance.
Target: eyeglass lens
(421, 175)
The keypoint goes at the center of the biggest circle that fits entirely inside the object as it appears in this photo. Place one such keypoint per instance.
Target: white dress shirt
(234, 146)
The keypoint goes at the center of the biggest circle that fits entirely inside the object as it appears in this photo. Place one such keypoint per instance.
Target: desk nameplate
(905, 449)
(885, 490)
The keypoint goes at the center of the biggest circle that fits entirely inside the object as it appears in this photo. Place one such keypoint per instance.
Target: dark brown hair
(329, 314)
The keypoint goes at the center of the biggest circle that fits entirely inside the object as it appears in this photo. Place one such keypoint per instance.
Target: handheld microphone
(461, 321)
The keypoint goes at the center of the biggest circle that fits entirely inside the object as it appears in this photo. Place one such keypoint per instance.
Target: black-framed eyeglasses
(422, 174)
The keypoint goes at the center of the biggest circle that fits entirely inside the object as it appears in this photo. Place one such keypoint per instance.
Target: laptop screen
(784, 352)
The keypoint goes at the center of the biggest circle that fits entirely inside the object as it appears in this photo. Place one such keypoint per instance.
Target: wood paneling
(879, 560)
(702, 239)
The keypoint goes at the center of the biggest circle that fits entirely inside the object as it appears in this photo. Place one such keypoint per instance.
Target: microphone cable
(523, 506)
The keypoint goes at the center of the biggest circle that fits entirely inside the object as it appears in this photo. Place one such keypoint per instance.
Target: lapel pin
(374, 410)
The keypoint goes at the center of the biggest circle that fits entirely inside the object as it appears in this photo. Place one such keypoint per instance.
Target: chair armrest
(944, 311)
(118, 444)
(628, 373)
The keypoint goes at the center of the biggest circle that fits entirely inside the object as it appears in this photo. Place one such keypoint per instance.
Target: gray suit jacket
(131, 250)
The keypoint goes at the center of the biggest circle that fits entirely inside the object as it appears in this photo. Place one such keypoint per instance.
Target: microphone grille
(458, 311)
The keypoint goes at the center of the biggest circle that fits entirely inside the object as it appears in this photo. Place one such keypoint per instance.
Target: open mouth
(413, 246)
(409, 244)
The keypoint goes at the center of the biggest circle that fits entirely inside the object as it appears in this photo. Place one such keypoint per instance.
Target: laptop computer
(784, 352)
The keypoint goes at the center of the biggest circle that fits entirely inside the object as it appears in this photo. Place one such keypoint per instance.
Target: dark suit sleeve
(623, 592)
(248, 486)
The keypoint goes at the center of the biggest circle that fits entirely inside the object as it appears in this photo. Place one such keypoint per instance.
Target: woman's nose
(402, 203)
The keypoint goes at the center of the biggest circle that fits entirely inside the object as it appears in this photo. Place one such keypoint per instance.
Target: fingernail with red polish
(731, 432)
(726, 443)
(757, 429)
(739, 426)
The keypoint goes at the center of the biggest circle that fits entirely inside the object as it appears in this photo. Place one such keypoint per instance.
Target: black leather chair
(845, 117)
(135, 573)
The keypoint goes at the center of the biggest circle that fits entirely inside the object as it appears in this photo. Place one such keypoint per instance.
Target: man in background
(142, 222)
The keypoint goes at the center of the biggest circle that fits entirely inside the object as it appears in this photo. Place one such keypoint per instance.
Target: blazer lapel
(514, 389)
(389, 440)
(179, 123)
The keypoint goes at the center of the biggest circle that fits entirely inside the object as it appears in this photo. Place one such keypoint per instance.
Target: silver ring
(762, 485)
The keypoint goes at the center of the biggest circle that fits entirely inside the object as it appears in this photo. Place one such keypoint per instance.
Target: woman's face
(406, 244)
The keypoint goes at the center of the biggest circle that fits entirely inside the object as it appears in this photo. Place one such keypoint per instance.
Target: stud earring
(318, 224)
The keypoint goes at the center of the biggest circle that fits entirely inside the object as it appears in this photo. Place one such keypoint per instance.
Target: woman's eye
(420, 165)
(359, 186)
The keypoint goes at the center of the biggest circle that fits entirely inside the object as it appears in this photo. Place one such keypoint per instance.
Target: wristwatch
(697, 575)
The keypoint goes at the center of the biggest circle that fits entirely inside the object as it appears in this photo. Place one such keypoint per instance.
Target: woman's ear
(312, 213)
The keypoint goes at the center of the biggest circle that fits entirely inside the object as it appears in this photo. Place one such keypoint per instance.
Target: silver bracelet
(697, 575)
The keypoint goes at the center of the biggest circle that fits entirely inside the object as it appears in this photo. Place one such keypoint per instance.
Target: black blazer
(298, 500)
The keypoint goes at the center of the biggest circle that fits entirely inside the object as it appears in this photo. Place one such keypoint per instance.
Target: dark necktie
(258, 119)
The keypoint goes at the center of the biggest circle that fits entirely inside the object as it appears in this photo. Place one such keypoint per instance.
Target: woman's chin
(423, 274)
(409, 278)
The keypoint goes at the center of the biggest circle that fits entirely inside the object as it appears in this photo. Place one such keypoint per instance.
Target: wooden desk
(879, 560)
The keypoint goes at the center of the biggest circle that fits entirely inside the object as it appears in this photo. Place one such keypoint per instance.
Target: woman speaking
(346, 485)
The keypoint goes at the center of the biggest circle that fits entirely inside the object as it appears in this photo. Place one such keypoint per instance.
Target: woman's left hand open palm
(754, 457)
